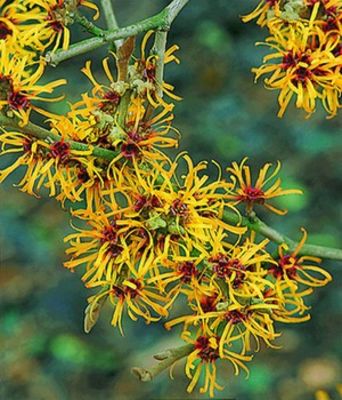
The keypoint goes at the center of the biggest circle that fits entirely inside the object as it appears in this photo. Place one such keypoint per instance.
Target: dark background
(224, 115)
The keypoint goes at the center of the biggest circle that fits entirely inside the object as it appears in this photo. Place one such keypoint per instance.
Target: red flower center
(286, 263)
(56, 25)
(208, 303)
(27, 145)
(149, 72)
(112, 100)
(109, 234)
(330, 24)
(207, 353)
(60, 150)
(187, 270)
(114, 250)
(252, 195)
(225, 267)
(4, 30)
(17, 100)
(55, 16)
(130, 150)
(235, 316)
(178, 208)
(146, 203)
(83, 175)
(133, 292)
(338, 50)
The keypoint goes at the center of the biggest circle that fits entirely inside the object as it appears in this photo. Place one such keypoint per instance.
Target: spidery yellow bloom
(262, 12)
(19, 85)
(16, 28)
(144, 74)
(204, 358)
(290, 266)
(47, 164)
(52, 18)
(264, 189)
(306, 40)
(304, 65)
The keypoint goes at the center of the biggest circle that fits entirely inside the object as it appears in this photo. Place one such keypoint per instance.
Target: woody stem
(88, 25)
(160, 21)
(159, 50)
(257, 225)
(109, 14)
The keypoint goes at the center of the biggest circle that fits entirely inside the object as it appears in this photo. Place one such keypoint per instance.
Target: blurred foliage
(45, 354)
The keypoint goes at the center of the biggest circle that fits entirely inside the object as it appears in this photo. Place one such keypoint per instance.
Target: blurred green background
(44, 353)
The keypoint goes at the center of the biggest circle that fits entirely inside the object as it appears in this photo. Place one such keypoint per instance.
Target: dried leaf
(92, 313)
(123, 57)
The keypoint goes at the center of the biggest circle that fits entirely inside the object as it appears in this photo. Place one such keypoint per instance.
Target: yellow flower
(73, 127)
(265, 10)
(204, 357)
(237, 272)
(144, 77)
(129, 293)
(329, 16)
(183, 275)
(190, 208)
(246, 325)
(19, 87)
(102, 249)
(49, 165)
(323, 395)
(13, 30)
(12, 143)
(105, 97)
(143, 138)
(291, 266)
(139, 134)
(291, 307)
(305, 64)
(261, 191)
(86, 178)
(51, 21)
(138, 298)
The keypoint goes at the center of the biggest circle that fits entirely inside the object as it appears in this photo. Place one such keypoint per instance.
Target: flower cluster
(30, 27)
(149, 229)
(27, 30)
(236, 294)
(306, 58)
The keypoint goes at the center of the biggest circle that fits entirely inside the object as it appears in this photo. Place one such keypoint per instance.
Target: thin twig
(169, 358)
(43, 134)
(173, 9)
(160, 21)
(88, 25)
(109, 14)
(158, 49)
(257, 225)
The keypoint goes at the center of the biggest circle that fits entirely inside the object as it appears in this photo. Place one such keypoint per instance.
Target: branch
(259, 226)
(173, 9)
(111, 21)
(167, 359)
(159, 50)
(160, 21)
(252, 223)
(43, 134)
(88, 25)
(109, 14)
